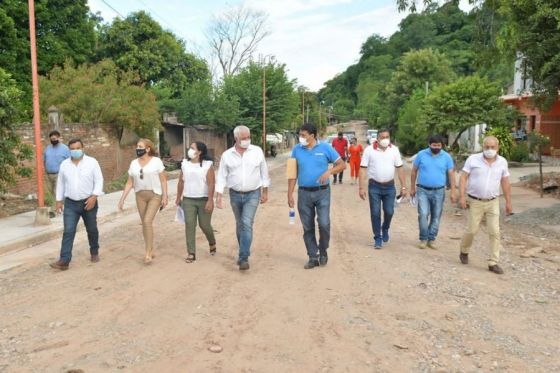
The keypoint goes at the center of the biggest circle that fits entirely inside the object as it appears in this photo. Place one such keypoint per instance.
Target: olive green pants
(194, 210)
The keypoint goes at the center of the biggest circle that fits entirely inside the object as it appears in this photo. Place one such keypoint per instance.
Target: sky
(315, 39)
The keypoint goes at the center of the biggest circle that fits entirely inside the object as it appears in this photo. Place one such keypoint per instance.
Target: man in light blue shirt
(430, 171)
(314, 195)
(55, 153)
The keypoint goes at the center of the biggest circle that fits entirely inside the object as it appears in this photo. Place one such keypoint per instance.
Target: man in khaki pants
(481, 178)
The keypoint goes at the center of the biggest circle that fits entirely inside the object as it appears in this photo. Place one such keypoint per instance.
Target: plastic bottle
(292, 216)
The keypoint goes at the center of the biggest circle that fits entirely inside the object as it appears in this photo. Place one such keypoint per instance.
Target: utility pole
(302, 107)
(320, 122)
(42, 214)
(264, 110)
(307, 113)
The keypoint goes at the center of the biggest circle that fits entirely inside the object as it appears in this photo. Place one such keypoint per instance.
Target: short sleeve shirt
(340, 146)
(314, 162)
(484, 178)
(432, 169)
(150, 175)
(195, 178)
(355, 151)
(380, 163)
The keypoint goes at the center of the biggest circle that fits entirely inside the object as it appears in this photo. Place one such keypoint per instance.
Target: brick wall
(100, 142)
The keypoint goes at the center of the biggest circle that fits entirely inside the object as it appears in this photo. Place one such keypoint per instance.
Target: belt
(390, 182)
(313, 189)
(430, 188)
(481, 199)
(52, 173)
(73, 200)
(238, 192)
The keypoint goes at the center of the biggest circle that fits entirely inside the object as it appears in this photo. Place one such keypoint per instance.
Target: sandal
(190, 258)
(213, 249)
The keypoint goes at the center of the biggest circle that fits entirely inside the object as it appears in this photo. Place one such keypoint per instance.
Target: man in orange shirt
(340, 144)
(355, 150)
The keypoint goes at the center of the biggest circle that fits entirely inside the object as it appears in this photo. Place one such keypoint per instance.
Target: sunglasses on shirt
(141, 174)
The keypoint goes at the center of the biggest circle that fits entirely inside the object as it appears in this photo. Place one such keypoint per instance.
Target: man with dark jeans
(79, 183)
(314, 195)
(432, 169)
(378, 166)
(340, 144)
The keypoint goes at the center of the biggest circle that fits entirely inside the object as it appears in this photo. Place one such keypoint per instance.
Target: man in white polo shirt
(378, 165)
(482, 176)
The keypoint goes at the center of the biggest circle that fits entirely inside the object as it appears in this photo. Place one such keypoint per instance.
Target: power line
(114, 10)
(158, 16)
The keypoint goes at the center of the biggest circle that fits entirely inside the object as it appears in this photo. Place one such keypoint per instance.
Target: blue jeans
(73, 210)
(244, 206)
(381, 194)
(430, 207)
(309, 203)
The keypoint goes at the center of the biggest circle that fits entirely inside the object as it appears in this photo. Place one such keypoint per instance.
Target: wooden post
(264, 110)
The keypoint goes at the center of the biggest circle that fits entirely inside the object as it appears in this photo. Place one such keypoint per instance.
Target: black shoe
(334, 182)
(323, 259)
(464, 258)
(496, 269)
(52, 215)
(243, 265)
(312, 263)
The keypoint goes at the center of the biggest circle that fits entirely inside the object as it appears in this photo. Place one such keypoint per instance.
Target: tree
(281, 99)
(538, 143)
(139, 43)
(455, 107)
(12, 152)
(65, 30)
(234, 37)
(100, 94)
(412, 134)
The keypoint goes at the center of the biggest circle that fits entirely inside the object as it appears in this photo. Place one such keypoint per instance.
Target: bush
(520, 153)
(505, 138)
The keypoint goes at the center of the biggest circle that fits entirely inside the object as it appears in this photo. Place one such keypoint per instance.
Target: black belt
(238, 192)
(429, 188)
(80, 200)
(390, 182)
(481, 199)
(52, 173)
(314, 189)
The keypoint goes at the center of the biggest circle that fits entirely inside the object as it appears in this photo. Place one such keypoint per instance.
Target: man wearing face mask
(430, 171)
(314, 195)
(79, 184)
(341, 146)
(481, 178)
(53, 156)
(378, 165)
(244, 172)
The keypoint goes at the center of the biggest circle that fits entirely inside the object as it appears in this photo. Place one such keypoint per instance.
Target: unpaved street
(399, 309)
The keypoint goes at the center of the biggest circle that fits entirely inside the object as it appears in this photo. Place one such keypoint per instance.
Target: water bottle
(292, 216)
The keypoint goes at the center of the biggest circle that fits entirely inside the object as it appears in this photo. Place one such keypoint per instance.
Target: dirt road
(398, 309)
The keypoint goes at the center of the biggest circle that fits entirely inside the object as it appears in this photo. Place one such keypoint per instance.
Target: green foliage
(65, 30)
(507, 143)
(538, 141)
(455, 107)
(245, 88)
(412, 134)
(12, 151)
(100, 93)
(520, 152)
(140, 44)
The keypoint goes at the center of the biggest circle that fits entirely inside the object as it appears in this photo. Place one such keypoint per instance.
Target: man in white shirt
(244, 172)
(378, 165)
(481, 178)
(79, 184)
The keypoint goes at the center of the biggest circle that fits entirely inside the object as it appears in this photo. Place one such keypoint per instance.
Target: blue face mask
(76, 153)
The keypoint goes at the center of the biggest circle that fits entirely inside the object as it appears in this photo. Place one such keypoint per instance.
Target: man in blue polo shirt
(428, 178)
(314, 195)
(54, 154)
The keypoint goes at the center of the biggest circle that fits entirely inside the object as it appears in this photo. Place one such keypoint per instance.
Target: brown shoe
(432, 245)
(464, 258)
(60, 265)
(496, 269)
(423, 245)
(94, 258)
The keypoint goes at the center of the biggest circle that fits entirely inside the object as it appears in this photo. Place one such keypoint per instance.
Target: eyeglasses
(141, 174)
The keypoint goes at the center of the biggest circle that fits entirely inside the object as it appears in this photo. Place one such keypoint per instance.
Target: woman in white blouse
(147, 176)
(195, 193)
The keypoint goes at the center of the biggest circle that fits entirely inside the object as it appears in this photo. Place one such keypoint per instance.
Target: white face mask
(303, 141)
(191, 153)
(384, 143)
(490, 153)
(245, 143)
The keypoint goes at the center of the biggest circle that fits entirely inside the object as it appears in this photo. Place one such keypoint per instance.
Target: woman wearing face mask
(147, 176)
(195, 191)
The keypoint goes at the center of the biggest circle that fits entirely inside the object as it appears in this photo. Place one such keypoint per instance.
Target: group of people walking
(244, 173)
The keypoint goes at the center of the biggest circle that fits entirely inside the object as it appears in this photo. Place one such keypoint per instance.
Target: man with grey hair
(243, 171)
(481, 178)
